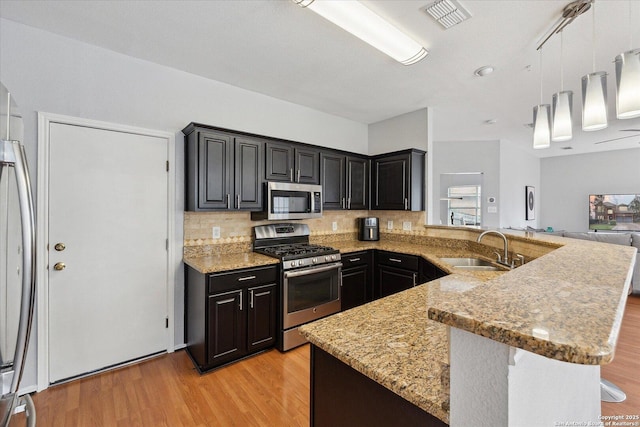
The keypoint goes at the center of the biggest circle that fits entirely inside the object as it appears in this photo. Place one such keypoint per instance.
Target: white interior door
(108, 207)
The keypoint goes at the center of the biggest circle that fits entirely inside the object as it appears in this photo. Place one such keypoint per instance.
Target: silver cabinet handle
(242, 279)
(228, 200)
(349, 203)
(395, 260)
(343, 203)
(241, 300)
(298, 176)
(414, 279)
(291, 174)
(251, 298)
(406, 204)
(354, 259)
(238, 197)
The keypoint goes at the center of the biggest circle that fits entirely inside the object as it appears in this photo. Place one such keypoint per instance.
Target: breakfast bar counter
(565, 306)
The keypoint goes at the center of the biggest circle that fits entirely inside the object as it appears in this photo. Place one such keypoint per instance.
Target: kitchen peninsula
(517, 348)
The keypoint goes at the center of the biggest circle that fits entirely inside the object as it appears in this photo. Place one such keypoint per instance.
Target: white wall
(518, 169)
(567, 181)
(468, 156)
(398, 133)
(49, 73)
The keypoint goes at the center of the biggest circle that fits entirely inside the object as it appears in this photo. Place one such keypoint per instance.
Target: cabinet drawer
(242, 278)
(354, 259)
(408, 262)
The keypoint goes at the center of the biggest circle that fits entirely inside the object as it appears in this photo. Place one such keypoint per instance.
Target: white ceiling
(282, 50)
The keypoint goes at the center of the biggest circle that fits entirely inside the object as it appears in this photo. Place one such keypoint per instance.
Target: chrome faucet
(505, 260)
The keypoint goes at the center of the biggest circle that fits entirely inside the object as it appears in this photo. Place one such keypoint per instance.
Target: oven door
(311, 293)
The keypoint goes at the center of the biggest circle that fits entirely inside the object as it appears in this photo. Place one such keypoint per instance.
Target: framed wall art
(530, 202)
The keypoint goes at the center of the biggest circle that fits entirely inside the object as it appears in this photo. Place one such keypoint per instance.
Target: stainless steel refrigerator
(17, 261)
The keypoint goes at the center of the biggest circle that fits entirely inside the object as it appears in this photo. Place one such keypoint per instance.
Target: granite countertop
(228, 261)
(391, 341)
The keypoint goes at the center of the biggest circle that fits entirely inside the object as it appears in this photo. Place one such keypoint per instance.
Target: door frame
(42, 229)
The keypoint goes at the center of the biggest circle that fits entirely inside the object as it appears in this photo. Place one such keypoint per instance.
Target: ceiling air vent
(447, 12)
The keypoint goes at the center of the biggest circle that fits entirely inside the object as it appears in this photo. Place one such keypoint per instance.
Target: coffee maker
(368, 229)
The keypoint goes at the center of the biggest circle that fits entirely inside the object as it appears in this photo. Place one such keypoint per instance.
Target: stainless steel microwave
(285, 200)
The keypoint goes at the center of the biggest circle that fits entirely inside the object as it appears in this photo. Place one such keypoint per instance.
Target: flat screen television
(614, 212)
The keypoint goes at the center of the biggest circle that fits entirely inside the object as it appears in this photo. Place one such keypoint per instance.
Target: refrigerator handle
(28, 261)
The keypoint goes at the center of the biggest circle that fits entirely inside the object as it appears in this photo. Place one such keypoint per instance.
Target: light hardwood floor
(271, 389)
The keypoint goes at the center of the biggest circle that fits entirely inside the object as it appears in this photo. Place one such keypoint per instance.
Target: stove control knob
(327, 258)
(333, 257)
(301, 262)
(314, 260)
(293, 263)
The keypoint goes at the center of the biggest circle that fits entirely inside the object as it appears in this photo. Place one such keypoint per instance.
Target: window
(464, 205)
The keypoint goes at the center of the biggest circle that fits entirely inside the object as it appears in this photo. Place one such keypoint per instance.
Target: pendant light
(541, 128)
(594, 93)
(562, 104)
(628, 80)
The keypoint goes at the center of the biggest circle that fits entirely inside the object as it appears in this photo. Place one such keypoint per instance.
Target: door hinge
(166, 322)
(167, 165)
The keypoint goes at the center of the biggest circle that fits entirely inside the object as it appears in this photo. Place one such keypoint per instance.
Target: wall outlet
(216, 232)
(406, 225)
(334, 226)
(389, 225)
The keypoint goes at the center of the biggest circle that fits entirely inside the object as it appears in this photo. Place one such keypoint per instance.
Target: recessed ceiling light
(490, 122)
(483, 71)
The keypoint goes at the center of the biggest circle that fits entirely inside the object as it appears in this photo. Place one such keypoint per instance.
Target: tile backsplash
(235, 227)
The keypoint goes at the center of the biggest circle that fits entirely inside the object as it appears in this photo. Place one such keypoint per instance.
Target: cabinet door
(357, 183)
(333, 174)
(227, 329)
(249, 161)
(355, 283)
(429, 272)
(307, 166)
(262, 315)
(391, 190)
(215, 154)
(279, 162)
(392, 280)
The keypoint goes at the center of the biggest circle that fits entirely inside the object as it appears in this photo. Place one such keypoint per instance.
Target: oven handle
(311, 270)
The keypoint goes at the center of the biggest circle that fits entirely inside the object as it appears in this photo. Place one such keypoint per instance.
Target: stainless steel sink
(470, 264)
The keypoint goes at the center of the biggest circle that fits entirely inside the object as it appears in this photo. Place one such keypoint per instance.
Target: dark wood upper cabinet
(398, 181)
(332, 172)
(249, 170)
(345, 181)
(224, 170)
(289, 163)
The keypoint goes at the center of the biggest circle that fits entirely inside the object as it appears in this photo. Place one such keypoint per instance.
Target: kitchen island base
(342, 396)
(498, 385)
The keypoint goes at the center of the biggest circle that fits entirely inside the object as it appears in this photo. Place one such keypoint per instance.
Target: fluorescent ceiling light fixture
(448, 12)
(628, 84)
(362, 22)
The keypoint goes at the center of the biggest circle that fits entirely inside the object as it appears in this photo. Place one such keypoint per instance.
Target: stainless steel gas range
(311, 277)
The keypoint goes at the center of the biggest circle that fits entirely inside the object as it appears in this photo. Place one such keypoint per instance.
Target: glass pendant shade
(594, 101)
(541, 128)
(562, 107)
(628, 84)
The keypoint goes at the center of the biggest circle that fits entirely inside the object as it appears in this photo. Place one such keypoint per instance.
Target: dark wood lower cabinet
(342, 396)
(392, 280)
(357, 280)
(230, 315)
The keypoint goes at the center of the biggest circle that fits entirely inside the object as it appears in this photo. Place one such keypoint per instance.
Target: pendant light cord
(541, 77)
(561, 61)
(593, 36)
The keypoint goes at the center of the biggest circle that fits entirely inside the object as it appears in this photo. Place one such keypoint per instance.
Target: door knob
(59, 247)
(59, 266)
